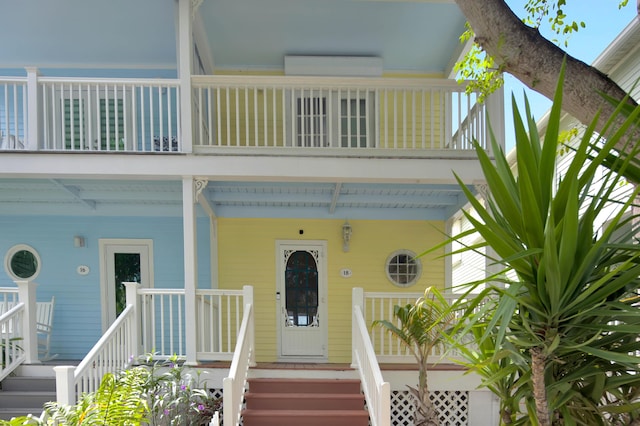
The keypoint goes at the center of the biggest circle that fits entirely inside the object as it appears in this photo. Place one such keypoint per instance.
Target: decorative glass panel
(301, 289)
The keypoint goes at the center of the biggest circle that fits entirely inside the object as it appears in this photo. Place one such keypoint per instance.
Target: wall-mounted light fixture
(78, 241)
(346, 236)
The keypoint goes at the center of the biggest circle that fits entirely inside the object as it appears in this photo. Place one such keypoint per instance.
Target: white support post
(357, 299)
(27, 295)
(229, 416)
(495, 112)
(65, 384)
(247, 296)
(134, 333)
(190, 267)
(185, 47)
(33, 115)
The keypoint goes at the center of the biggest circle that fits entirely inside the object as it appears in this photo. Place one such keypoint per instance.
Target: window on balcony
(90, 128)
(342, 119)
(311, 121)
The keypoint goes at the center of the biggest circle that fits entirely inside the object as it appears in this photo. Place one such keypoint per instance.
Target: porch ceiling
(409, 35)
(327, 200)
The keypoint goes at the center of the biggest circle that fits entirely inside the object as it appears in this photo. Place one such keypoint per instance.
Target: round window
(22, 262)
(403, 269)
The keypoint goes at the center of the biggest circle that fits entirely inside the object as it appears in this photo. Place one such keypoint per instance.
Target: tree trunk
(522, 52)
(538, 361)
(425, 414)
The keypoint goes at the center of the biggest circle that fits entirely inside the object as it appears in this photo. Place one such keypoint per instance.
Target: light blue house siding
(77, 317)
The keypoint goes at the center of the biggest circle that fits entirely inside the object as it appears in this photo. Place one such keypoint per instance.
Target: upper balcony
(253, 115)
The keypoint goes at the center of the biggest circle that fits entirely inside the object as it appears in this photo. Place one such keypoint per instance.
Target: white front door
(122, 260)
(301, 294)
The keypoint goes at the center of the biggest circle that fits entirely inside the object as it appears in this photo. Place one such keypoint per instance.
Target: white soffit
(338, 66)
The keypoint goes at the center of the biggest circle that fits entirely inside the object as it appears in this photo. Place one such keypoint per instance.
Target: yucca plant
(420, 328)
(571, 315)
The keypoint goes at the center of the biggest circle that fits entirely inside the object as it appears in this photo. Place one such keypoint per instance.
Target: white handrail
(376, 391)
(111, 354)
(233, 386)
(11, 354)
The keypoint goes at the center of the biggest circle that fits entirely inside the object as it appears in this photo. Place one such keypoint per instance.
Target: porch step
(312, 402)
(22, 395)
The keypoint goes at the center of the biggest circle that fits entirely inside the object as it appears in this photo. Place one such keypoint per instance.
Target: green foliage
(483, 71)
(155, 393)
(574, 301)
(421, 328)
(477, 69)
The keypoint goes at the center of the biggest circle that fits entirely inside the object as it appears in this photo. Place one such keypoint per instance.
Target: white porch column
(132, 299)
(185, 47)
(33, 117)
(357, 299)
(190, 266)
(27, 295)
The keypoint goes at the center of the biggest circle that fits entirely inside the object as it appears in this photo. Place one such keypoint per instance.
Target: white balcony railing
(356, 114)
(372, 116)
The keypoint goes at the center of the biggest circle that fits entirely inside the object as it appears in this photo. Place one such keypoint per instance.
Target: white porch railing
(219, 313)
(18, 337)
(380, 306)
(115, 350)
(111, 354)
(234, 385)
(377, 392)
(153, 322)
(357, 114)
(8, 298)
(11, 336)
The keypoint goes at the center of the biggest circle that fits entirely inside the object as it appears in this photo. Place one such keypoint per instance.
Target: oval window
(22, 262)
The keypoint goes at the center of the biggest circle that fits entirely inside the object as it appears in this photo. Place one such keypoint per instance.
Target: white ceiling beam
(458, 54)
(334, 199)
(75, 193)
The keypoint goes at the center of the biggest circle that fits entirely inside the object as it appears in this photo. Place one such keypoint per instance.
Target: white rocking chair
(44, 327)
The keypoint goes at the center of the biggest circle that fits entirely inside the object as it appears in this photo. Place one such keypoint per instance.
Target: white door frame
(108, 247)
(321, 246)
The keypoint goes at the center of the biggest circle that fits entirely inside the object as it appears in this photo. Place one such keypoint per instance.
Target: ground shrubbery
(157, 393)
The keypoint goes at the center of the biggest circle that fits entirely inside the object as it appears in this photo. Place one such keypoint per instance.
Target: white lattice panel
(452, 407)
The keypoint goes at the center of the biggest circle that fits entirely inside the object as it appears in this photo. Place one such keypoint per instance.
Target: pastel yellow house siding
(247, 250)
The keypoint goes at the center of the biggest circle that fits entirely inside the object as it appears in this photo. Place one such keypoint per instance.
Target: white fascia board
(240, 168)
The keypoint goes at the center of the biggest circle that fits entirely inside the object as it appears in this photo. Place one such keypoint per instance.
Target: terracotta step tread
(305, 413)
(269, 385)
(304, 395)
(306, 417)
(299, 380)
